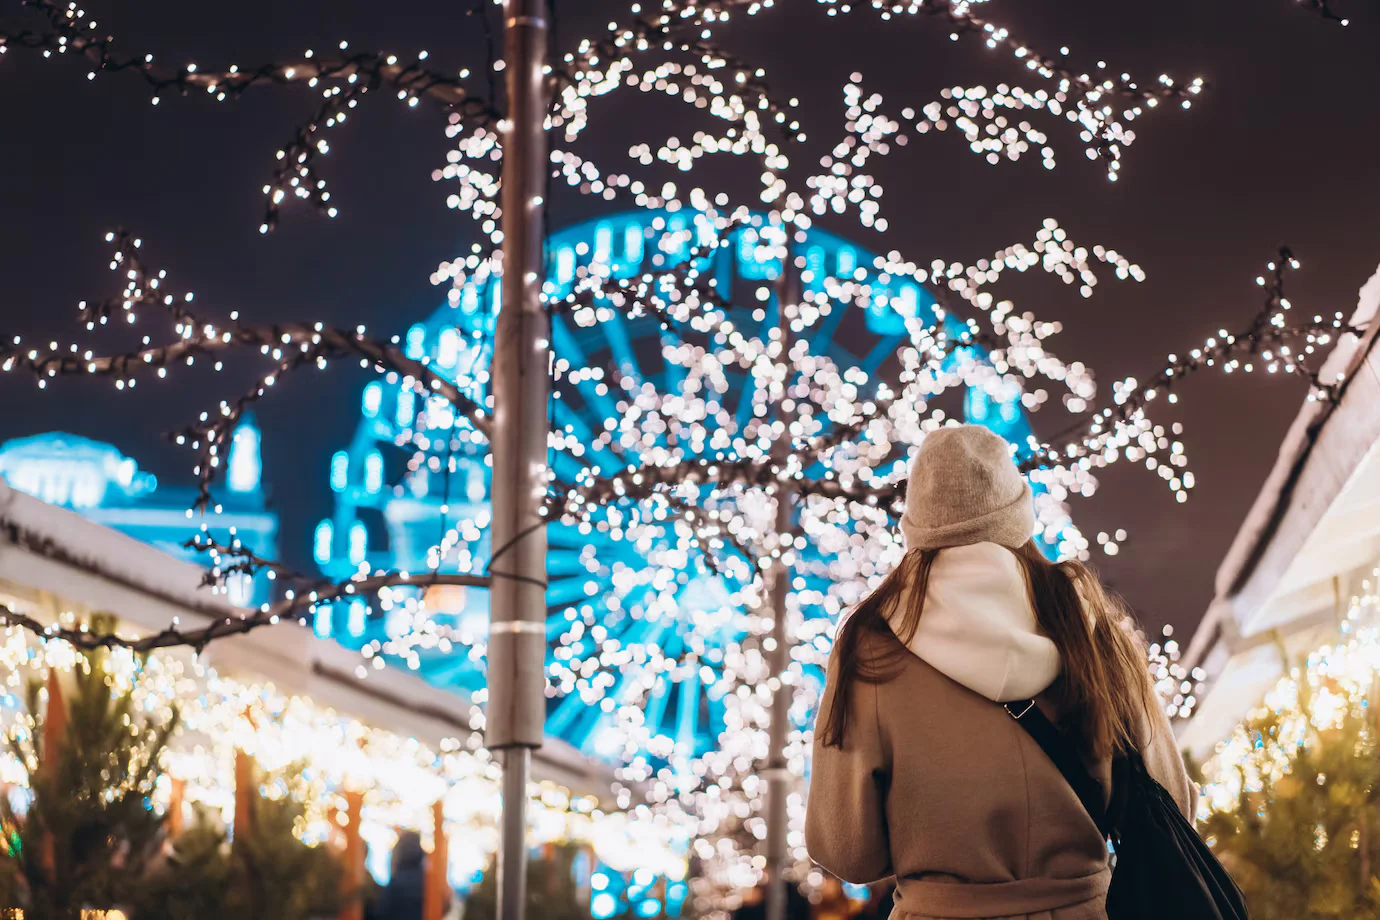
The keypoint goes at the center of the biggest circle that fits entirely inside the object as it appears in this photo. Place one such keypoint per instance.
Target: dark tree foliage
(90, 837)
(267, 872)
(552, 892)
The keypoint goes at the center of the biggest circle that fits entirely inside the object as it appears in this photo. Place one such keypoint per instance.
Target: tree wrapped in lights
(92, 760)
(848, 457)
(731, 462)
(1292, 798)
(730, 89)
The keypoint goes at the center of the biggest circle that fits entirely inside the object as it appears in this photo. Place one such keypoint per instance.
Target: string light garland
(1324, 9)
(343, 76)
(268, 615)
(685, 28)
(1101, 106)
(289, 346)
(1271, 342)
(1178, 688)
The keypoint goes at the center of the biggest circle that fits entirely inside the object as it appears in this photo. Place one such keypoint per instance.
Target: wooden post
(353, 857)
(583, 873)
(173, 818)
(245, 791)
(548, 857)
(54, 722)
(1363, 831)
(436, 896)
(54, 740)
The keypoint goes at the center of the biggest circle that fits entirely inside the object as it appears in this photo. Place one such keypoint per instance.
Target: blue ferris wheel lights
(323, 542)
(372, 398)
(322, 621)
(416, 342)
(340, 471)
(606, 594)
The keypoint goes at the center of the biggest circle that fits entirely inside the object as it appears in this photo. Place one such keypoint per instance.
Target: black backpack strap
(1065, 756)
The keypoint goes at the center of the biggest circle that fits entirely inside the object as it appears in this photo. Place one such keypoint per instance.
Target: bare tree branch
(290, 346)
(347, 77)
(308, 594)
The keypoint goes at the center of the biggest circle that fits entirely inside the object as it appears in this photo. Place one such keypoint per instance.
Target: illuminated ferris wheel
(412, 488)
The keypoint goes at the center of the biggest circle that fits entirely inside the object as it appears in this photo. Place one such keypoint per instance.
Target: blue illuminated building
(99, 482)
(388, 515)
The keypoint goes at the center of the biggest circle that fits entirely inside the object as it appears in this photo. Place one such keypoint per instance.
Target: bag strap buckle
(1029, 704)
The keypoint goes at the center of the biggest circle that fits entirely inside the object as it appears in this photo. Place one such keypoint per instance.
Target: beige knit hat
(964, 488)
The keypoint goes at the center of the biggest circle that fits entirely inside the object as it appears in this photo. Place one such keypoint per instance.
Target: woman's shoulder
(900, 671)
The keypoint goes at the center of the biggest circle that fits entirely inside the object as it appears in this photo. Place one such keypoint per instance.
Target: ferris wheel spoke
(566, 466)
(616, 329)
(743, 412)
(656, 704)
(880, 352)
(674, 374)
(565, 563)
(823, 336)
(556, 626)
(565, 591)
(688, 712)
(560, 719)
(588, 719)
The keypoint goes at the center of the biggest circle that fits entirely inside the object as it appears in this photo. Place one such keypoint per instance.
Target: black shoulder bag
(1162, 867)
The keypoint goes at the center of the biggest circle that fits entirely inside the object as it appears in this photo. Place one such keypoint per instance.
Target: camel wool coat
(941, 788)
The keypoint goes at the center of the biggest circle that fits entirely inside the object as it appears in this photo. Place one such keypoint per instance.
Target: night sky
(1280, 150)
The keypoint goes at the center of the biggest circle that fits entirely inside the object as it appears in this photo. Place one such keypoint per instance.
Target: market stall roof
(58, 557)
(1312, 535)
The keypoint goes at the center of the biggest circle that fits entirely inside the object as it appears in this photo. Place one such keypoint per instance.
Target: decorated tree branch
(1324, 9)
(344, 77)
(286, 347)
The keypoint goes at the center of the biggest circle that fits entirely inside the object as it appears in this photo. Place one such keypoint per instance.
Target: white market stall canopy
(1310, 539)
(57, 559)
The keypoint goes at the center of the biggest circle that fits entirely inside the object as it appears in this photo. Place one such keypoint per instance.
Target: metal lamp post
(520, 369)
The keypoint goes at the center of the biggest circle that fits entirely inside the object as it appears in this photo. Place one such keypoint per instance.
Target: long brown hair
(1103, 692)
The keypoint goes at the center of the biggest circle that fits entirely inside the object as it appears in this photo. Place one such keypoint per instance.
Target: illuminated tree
(1292, 798)
(86, 832)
